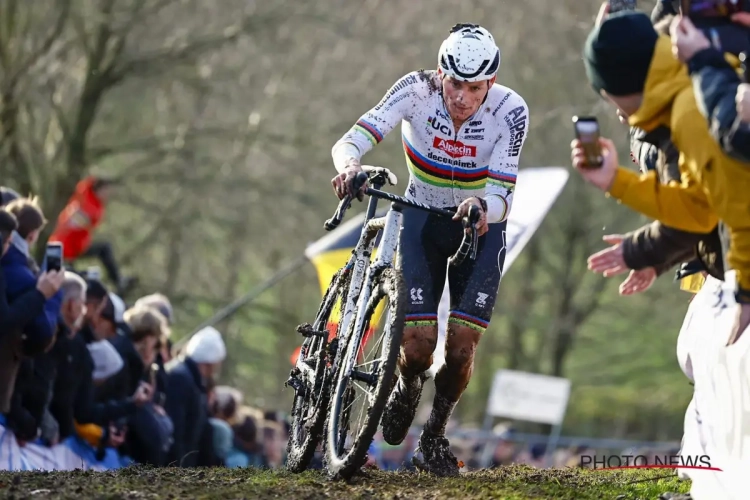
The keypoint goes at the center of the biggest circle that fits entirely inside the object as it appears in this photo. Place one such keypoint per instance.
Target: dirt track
(514, 483)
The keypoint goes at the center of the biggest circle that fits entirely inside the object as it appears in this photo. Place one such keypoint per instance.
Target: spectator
(73, 351)
(25, 301)
(7, 195)
(186, 401)
(619, 55)
(161, 303)
(21, 275)
(227, 401)
(117, 332)
(654, 249)
(150, 429)
(245, 451)
(223, 439)
(94, 417)
(718, 87)
(273, 444)
(81, 216)
(30, 304)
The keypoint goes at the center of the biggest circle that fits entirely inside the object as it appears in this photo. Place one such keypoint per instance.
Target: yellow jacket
(714, 186)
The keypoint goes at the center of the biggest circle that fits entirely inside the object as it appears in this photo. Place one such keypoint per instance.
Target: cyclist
(462, 134)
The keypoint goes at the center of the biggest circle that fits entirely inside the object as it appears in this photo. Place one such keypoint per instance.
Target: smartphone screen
(621, 5)
(54, 256)
(587, 131)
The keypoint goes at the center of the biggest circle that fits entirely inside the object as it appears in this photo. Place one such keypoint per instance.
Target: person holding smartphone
(22, 273)
(621, 55)
(634, 67)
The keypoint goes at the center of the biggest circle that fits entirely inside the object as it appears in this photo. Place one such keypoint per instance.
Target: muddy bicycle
(328, 374)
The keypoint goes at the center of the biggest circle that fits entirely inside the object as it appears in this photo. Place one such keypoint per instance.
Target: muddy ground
(513, 483)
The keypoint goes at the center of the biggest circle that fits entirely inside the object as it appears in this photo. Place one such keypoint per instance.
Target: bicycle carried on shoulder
(329, 374)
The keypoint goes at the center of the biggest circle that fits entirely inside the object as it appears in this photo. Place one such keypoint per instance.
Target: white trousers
(717, 421)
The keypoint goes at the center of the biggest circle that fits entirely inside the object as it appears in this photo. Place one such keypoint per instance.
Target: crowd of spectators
(83, 369)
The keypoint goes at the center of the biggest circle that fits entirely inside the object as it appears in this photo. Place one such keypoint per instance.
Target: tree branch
(46, 45)
(159, 61)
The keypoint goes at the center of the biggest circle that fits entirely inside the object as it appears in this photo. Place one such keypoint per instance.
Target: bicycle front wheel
(364, 375)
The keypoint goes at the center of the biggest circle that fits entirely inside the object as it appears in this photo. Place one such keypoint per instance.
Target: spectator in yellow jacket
(632, 66)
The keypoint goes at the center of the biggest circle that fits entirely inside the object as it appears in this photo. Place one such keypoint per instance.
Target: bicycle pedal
(306, 330)
(294, 383)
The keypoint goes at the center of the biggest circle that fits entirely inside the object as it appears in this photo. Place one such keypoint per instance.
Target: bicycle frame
(359, 263)
(356, 265)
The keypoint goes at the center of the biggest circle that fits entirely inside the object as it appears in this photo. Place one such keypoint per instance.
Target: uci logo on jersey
(443, 129)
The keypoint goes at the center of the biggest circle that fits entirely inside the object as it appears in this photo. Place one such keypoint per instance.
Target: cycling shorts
(426, 243)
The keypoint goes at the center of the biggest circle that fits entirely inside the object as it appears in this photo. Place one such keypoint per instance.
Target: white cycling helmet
(469, 54)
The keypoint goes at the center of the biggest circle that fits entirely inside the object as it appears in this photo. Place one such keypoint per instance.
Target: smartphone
(587, 131)
(153, 372)
(621, 5)
(54, 256)
(745, 61)
(93, 273)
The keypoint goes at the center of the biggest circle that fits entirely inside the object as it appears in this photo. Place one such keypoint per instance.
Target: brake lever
(346, 202)
(338, 216)
(470, 221)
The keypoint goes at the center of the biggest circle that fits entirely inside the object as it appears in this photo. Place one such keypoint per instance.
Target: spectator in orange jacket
(81, 216)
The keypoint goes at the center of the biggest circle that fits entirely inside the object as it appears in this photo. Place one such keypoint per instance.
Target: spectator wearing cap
(80, 218)
(186, 398)
(634, 67)
(655, 248)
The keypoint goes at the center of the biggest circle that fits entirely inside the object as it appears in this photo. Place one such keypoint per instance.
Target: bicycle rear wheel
(363, 377)
(310, 405)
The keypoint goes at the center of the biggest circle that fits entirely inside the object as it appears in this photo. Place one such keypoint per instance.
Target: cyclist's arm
(503, 168)
(374, 125)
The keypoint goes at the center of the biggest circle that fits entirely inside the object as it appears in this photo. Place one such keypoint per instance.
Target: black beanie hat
(618, 53)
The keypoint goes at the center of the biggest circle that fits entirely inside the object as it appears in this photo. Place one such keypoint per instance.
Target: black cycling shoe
(434, 455)
(400, 410)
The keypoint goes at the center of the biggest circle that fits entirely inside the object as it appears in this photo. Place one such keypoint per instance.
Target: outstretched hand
(638, 281)
(610, 261)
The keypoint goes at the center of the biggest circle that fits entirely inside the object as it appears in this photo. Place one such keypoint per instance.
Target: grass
(511, 483)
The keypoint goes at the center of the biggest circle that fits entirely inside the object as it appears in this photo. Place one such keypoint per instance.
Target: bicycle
(326, 369)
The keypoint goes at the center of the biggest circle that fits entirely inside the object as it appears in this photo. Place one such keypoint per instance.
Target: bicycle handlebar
(345, 203)
(470, 239)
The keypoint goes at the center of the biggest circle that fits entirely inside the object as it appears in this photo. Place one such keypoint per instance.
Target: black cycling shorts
(426, 243)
